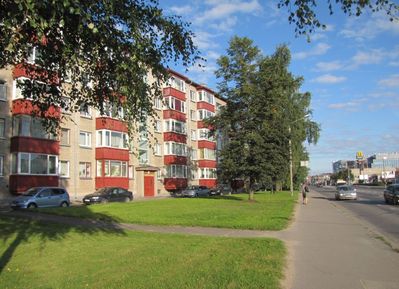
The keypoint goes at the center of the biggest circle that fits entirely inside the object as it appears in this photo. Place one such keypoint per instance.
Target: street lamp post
(384, 175)
(290, 153)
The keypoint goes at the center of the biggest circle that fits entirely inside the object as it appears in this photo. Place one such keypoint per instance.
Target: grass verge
(268, 212)
(37, 255)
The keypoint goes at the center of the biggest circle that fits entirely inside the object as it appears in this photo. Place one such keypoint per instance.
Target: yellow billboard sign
(359, 155)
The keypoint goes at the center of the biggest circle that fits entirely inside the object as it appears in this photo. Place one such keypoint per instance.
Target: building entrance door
(149, 185)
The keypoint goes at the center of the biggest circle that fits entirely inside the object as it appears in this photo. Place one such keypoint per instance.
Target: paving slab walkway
(328, 248)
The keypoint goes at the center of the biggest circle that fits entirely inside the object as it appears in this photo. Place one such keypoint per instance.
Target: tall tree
(262, 103)
(103, 49)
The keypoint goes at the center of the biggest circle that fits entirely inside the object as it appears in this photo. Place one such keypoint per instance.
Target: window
(192, 115)
(206, 96)
(2, 127)
(34, 55)
(112, 111)
(35, 164)
(84, 170)
(3, 90)
(207, 173)
(85, 110)
(203, 114)
(193, 174)
(158, 102)
(158, 126)
(99, 168)
(159, 175)
(176, 104)
(207, 154)
(157, 149)
(175, 126)
(85, 139)
(1, 165)
(115, 168)
(131, 172)
(177, 83)
(193, 96)
(174, 148)
(25, 125)
(193, 134)
(114, 139)
(64, 138)
(193, 154)
(204, 134)
(176, 171)
(63, 169)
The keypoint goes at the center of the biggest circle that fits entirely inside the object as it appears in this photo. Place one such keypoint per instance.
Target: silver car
(196, 191)
(345, 192)
(41, 197)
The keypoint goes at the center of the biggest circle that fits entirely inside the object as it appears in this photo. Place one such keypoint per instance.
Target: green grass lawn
(267, 212)
(36, 255)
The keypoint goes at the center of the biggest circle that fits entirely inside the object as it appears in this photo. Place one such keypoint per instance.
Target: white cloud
(181, 10)
(329, 79)
(368, 27)
(226, 25)
(205, 40)
(319, 49)
(392, 81)
(374, 56)
(329, 66)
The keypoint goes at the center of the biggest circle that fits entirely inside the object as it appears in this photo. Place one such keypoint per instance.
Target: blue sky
(351, 68)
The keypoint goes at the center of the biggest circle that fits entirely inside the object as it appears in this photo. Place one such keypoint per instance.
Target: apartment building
(94, 151)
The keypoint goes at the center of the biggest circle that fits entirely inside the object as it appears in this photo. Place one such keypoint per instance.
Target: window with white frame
(207, 173)
(172, 125)
(113, 139)
(204, 113)
(158, 102)
(176, 171)
(159, 175)
(33, 164)
(34, 55)
(143, 144)
(1, 165)
(193, 134)
(65, 137)
(113, 111)
(25, 125)
(177, 83)
(193, 114)
(204, 95)
(84, 139)
(157, 149)
(204, 134)
(3, 90)
(158, 126)
(193, 154)
(63, 169)
(2, 127)
(175, 104)
(193, 96)
(84, 170)
(174, 148)
(114, 168)
(85, 110)
(193, 173)
(207, 154)
(99, 168)
(131, 172)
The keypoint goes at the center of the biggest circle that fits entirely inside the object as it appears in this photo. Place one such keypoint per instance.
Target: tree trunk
(251, 195)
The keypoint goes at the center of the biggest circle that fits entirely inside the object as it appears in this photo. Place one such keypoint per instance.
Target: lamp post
(290, 153)
(384, 175)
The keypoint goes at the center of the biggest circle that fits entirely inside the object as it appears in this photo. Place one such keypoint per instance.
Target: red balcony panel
(20, 183)
(111, 124)
(176, 137)
(202, 144)
(175, 183)
(201, 124)
(35, 72)
(205, 105)
(24, 106)
(206, 164)
(34, 145)
(112, 154)
(210, 183)
(177, 160)
(102, 182)
(173, 114)
(170, 91)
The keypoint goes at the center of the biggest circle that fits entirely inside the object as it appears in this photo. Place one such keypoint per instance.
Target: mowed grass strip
(39, 256)
(267, 212)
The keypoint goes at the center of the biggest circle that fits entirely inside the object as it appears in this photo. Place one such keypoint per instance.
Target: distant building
(342, 165)
(384, 160)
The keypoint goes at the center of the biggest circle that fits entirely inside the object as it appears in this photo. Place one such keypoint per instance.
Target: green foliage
(342, 175)
(303, 15)
(264, 111)
(103, 50)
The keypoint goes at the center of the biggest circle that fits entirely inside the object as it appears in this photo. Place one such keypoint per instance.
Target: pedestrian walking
(304, 191)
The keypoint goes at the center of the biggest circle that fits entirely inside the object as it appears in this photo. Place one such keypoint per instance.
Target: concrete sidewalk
(330, 249)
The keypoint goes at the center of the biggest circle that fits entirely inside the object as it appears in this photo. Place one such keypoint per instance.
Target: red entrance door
(149, 188)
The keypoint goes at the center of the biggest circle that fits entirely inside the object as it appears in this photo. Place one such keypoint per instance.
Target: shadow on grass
(22, 225)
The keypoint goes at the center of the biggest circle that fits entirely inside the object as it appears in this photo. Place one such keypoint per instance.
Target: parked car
(221, 189)
(391, 194)
(345, 192)
(41, 197)
(196, 191)
(108, 194)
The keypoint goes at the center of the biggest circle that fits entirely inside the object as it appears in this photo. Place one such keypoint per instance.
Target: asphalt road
(371, 208)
